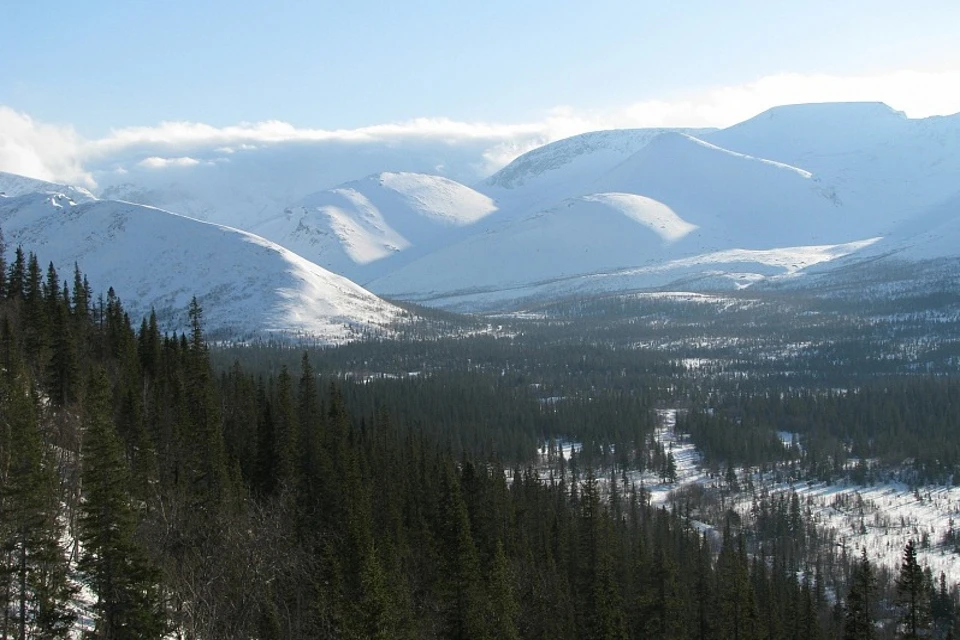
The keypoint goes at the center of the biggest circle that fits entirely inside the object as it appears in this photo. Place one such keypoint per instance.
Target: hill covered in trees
(145, 493)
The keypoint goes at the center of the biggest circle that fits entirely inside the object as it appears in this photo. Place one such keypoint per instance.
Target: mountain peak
(13, 185)
(616, 143)
(820, 111)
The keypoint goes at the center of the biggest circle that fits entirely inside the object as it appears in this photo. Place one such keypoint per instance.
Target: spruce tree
(505, 611)
(913, 595)
(3, 266)
(737, 614)
(286, 434)
(858, 624)
(16, 281)
(464, 592)
(113, 564)
(38, 588)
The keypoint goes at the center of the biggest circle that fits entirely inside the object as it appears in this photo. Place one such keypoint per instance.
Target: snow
(880, 161)
(880, 517)
(566, 168)
(446, 201)
(685, 455)
(156, 259)
(349, 228)
(720, 270)
(679, 207)
(602, 211)
(12, 185)
(657, 216)
(736, 199)
(581, 235)
(243, 185)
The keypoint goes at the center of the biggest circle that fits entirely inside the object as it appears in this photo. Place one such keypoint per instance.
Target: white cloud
(42, 151)
(245, 136)
(55, 152)
(917, 93)
(155, 162)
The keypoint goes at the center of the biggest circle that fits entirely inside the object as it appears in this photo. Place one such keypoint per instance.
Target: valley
(729, 339)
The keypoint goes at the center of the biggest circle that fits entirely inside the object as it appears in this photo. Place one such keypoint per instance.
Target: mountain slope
(247, 285)
(566, 168)
(243, 185)
(878, 159)
(737, 200)
(355, 228)
(13, 185)
(581, 235)
(678, 207)
(919, 260)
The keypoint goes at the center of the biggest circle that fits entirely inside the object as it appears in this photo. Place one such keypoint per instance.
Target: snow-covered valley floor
(880, 517)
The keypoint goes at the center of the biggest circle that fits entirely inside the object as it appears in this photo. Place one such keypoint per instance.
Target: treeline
(896, 424)
(142, 495)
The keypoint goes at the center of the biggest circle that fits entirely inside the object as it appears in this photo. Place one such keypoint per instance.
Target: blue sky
(103, 65)
(95, 86)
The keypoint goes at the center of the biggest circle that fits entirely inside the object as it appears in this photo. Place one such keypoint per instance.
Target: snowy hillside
(352, 229)
(796, 185)
(12, 185)
(581, 235)
(568, 167)
(716, 271)
(244, 185)
(679, 208)
(157, 259)
(739, 201)
(933, 234)
(918, 257)
(877, 158)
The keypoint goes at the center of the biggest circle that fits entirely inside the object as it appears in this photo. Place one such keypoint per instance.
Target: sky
(79, 80)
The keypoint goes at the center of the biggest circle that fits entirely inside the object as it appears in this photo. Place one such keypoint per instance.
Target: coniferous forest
(147, 492)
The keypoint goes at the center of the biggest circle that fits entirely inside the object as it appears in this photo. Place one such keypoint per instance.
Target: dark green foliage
(113, 564)
(16, 281)
(33, 566)
(890, 423)
(913, 595)
(3, 266)
(246, 503)
(859, 620)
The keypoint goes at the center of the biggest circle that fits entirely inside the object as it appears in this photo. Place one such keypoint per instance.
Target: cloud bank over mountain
(57, 152)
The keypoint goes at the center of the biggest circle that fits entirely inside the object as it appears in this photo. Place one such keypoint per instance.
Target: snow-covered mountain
(356, 228)
(581, 235)
(791, 188)
(677, 209)
(739, 201)
(794, 187)
(152, 258)
(568, 167)
(918, 256)
(244, 185)
(12, 185)
(878, 159)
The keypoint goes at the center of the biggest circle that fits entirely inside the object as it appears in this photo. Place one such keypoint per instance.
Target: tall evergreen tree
(464, 590)
(3, 266)
(913, 595)
(505, 611)
(858, 623)
(737, 615)
(16, 281)
(37, 573)
(286, 434)
(113, 563)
